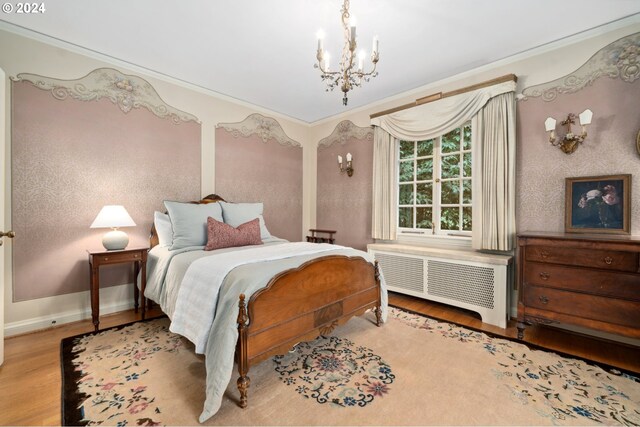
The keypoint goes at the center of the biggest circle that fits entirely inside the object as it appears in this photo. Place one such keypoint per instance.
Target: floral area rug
(411, 371)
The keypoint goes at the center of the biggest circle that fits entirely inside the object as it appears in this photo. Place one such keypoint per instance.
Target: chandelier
(349, 74)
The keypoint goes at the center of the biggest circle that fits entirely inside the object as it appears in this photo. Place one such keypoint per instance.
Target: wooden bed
(300, 304)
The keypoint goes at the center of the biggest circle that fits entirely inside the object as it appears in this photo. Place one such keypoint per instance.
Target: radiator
(481, 286)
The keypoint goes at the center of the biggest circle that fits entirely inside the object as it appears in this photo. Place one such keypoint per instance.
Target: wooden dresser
(586, 280)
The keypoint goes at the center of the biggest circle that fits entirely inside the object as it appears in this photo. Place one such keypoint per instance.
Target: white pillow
(163, 229)
(236, 214)
(189, 222)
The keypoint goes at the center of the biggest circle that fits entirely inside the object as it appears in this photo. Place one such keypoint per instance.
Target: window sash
(436, 182)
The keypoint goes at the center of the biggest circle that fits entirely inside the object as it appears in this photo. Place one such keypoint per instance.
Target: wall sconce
(570, 141)
(349, 168)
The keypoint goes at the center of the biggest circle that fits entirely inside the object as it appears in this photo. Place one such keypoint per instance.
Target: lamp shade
(585, 117)
(113, 216)
(550, 124)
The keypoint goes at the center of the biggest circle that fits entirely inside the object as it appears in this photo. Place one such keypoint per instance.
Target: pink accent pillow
(221, 235)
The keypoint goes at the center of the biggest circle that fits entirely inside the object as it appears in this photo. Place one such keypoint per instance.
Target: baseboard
(43, 322)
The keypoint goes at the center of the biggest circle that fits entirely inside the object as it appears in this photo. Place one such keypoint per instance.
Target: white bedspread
(198, 295)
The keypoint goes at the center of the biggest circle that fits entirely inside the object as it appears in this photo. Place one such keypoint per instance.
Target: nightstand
(98, 258)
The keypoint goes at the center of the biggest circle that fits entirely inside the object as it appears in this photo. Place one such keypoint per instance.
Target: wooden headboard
(211, 198)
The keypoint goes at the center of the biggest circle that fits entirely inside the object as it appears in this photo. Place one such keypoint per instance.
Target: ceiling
(263, 51)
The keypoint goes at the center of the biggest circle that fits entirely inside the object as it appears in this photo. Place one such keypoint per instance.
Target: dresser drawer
(610, 310)
(609, 260)
(598, 282)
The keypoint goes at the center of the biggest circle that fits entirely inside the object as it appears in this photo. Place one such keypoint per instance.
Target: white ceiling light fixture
(350, 72)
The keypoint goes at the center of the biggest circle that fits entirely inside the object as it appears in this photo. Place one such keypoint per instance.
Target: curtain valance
(439, 117)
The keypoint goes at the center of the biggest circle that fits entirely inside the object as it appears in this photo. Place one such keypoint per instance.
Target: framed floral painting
(598, 204)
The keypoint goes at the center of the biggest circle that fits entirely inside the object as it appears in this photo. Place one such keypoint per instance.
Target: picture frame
(598, 204)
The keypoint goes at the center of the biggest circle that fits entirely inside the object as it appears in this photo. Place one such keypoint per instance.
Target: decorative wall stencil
(70, 158)
(126, 91)
(618, 60)
(249, 169)
(344, 204)
(344, 131)
(257, 124)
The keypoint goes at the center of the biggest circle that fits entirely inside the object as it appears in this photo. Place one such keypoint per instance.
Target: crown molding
(617, 60)
(125, 91)
(265, 127)
(148, 72)
(343, 132)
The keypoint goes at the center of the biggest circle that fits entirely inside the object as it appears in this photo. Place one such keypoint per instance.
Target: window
(434, 184)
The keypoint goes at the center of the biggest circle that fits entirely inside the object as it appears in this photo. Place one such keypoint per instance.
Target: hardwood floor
(30, 376)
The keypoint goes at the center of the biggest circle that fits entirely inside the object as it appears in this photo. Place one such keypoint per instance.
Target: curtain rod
(440, 95)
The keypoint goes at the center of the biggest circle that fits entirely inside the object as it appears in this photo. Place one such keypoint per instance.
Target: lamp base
(115, 240)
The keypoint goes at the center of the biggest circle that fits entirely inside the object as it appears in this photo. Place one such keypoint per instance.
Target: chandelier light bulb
(320, 37)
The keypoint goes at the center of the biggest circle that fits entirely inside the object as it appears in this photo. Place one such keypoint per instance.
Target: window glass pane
(424, 194)
(466, 219)
(451, 141)
(425, 169)
(425, 148)
(450, 219)
(467, 136)
(424, 218)
(466, 164)
(405, 217)
(450, 166)
(406, 171)
(450, 192)
(406, 194)
(407, 149)
(466, 191)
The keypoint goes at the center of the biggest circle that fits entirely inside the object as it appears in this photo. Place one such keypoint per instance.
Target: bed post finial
(243, 363)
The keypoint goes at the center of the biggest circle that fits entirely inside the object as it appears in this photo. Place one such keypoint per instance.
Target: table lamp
(114, 216)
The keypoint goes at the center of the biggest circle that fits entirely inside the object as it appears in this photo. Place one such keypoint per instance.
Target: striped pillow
(221, 235)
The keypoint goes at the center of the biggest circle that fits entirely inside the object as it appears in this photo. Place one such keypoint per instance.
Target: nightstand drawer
(609, 260)
(598, 282)
(119, 257)
(610, 310)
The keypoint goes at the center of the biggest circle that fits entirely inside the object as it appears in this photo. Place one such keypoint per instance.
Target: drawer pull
(544, 253)
(106, 258)
(136, 256)
(543, 299)
(608, 260)
(544, 276)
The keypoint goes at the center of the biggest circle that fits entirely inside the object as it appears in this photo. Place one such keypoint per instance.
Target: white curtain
(439, 117)
(385, 176)
(492, 112)
(493, 145)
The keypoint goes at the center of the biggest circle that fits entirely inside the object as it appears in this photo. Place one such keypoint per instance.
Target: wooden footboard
(301, 304)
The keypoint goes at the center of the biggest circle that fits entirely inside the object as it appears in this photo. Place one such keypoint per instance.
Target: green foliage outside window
(435, 182)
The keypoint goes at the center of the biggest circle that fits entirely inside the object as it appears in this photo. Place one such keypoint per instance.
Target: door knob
(9, 234)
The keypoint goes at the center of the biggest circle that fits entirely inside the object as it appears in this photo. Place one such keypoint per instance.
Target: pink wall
(250, 170)
(344, 204)
(69, 158)
(608, 150)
